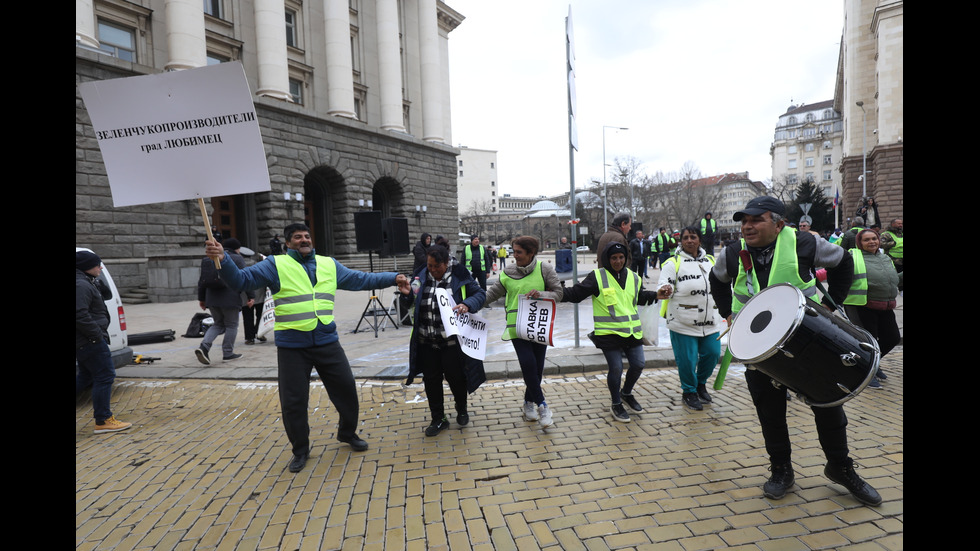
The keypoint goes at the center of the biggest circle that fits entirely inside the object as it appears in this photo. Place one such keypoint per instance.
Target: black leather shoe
(355, 442)
(703, 394)
(780, 482)
(298, 462)
(436, 427)
(846, 476)
(463, 419)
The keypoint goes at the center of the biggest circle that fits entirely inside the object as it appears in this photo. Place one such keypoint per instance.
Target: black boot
(780, 482)
(845, 475)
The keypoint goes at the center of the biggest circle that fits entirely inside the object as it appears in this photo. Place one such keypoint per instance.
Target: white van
(122, 354)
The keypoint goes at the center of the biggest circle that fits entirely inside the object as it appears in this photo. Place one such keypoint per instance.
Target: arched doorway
(387, 197)
(322, 187)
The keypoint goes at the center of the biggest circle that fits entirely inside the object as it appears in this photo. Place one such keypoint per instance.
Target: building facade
(870, 95)
(807, 147)
(476, 181)
(352, 98)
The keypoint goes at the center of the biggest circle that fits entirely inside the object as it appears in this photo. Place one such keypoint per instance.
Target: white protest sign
(535, 319)
(268, 322)
(178, 135)
(470, 329)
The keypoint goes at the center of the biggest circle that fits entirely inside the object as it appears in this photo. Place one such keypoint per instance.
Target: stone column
(389, 65)
(431, 72)
(85, 24)
(270, 44)
(186, 45)
(340, 74)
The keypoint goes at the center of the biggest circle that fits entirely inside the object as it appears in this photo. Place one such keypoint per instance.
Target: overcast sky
(703, 81)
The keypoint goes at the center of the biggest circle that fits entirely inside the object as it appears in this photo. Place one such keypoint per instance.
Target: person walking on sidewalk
(225, 305)
(435, 354)
(527, 276)
(615, 291)
(692, 317)
(92, 353)
(304, 285)
(780, 255)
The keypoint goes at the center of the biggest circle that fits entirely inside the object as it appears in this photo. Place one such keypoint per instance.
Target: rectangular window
(810, 161)
(827, 160)
(792, 163)
(826, 176)
(117, 41)
(291, 39)
(213, 8)
(296, 91)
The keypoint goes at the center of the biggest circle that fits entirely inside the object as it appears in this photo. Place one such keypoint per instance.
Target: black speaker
(367, 231)
(395, 237)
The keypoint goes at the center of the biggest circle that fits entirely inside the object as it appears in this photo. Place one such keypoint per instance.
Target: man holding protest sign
(435, 352)
(615, 291)
(527, 277)
(304, 285)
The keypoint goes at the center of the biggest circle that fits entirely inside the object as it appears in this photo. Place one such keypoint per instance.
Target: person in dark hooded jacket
(95, 368)
(419, 251)
(616, 291)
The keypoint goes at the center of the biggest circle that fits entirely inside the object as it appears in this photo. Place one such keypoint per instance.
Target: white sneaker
(530, 411)
(544, 415)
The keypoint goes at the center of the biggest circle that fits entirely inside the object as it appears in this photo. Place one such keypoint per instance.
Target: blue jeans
(95, 369)
(530, 355)
(696, 358)
(226, 323)
(614, 357)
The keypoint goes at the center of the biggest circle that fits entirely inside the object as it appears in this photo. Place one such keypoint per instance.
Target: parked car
(582, 248)
(122, 354)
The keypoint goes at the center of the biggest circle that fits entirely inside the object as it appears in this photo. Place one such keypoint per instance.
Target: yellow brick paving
(204, 467)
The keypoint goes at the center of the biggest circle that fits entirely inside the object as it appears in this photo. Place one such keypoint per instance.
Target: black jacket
(91, 314)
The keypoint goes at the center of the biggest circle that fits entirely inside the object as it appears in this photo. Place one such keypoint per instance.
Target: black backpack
(197, 327)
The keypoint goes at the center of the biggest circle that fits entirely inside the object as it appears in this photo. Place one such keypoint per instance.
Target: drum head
(765, 322)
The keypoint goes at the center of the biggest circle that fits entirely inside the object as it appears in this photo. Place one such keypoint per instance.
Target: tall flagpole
(572, 147)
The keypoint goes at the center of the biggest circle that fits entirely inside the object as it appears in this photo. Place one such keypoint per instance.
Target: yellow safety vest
(858, 293)
(469, 257)
(614, 310)
(515, 288)
(785, 269)
(299, 304)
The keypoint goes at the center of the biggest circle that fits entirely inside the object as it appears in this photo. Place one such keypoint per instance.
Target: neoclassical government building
(352, 99)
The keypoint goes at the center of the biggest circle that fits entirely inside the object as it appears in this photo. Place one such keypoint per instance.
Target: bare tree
(686, 199)
(477, 219)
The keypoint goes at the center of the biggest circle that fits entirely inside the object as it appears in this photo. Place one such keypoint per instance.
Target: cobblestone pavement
(204, 467)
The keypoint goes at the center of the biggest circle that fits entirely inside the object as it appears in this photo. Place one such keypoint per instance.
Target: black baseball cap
(759, 205)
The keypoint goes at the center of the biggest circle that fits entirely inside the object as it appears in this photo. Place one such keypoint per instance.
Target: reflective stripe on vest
(858, 293)
(469, 257)
(705, 221)
(614, 310)
(785, 269)
(299, 304)
(515, 288)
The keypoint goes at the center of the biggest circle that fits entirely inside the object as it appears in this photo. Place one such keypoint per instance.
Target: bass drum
(825, 359)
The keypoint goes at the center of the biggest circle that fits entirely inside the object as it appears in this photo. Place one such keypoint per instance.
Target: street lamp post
(864, 151)
(605, 208)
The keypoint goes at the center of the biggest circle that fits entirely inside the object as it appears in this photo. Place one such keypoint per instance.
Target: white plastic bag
(650, 323)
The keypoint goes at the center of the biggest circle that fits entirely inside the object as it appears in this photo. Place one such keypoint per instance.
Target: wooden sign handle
(207, 228)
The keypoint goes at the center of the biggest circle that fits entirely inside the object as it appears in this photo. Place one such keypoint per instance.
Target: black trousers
(437, 363)
(295, 368)
(770, 405)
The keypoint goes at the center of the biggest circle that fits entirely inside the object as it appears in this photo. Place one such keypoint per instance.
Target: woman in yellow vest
(527, 276)
(692, 317)
(871, 301)
(616, 291)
